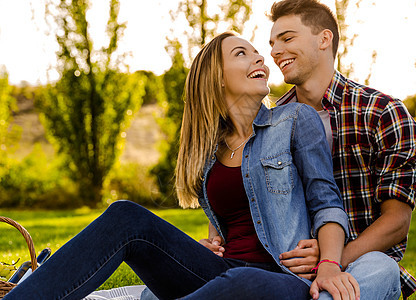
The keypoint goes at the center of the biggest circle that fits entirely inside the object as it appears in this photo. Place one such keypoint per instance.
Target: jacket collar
(264, 116)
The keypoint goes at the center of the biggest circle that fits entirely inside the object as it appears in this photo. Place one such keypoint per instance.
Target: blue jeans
(377, 274)
(168, 261)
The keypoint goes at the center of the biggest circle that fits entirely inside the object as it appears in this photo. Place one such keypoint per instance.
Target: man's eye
(288, 39)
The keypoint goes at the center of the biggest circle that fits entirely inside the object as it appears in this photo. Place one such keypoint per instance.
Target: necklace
(233, 151)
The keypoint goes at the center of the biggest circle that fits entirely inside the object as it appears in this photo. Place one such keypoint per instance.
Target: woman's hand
(214, 244)
(341, 285)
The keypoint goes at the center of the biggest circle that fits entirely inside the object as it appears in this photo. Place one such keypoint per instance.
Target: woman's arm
(340, 285)
(214, 241)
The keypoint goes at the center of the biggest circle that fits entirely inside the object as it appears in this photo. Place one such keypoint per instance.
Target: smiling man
(372, 138)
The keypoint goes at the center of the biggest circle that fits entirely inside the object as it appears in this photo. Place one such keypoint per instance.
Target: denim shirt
(288, 179)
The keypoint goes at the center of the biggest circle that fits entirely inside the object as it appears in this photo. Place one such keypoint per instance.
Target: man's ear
(325, 40)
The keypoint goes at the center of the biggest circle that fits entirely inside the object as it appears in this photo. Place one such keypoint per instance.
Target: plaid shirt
(374, 147)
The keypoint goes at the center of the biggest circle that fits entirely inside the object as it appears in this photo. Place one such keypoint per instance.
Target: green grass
(54, 228)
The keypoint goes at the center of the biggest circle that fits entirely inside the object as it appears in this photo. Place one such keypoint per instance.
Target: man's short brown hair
(313, 14)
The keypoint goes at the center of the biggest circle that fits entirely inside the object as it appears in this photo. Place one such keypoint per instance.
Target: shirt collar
(335, 91)
(333, 94)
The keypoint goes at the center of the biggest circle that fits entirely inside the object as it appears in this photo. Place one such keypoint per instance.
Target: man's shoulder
(363, 95)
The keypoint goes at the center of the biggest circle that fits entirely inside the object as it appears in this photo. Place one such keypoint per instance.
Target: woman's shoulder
(293, 110)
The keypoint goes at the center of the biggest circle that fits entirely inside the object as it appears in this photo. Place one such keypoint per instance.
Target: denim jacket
(288, 179)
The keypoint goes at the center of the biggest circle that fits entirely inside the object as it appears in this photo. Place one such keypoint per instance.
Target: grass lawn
(53, 228)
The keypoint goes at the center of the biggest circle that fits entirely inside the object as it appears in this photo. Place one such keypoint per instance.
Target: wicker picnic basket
(6, 287)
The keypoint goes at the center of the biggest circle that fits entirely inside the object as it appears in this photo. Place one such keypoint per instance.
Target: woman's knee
(124, 210)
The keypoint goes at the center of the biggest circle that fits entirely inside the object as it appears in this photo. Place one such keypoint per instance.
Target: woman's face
(245, 74)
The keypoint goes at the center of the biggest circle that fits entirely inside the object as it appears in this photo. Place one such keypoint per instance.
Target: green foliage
(87, 111)
(54, 228)
(133, 182)
(410, 103)
(173, 105)
(154, 90)
(8, 134)
(37, 182)
(203, 22)
(277, 91)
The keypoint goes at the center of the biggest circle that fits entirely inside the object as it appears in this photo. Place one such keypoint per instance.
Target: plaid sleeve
(408, 283)
(395, 156)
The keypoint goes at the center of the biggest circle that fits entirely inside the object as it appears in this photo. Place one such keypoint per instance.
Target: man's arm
(388, 230)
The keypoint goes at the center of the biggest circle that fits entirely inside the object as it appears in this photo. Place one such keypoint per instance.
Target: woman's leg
(169, 262)
(246, 283)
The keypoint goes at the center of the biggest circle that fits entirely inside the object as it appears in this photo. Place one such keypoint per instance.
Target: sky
(29, 54)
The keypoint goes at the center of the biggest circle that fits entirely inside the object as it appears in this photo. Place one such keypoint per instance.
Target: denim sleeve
(330, 215)
(313, 160)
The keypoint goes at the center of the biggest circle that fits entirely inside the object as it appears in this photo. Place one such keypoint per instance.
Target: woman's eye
(239, 53)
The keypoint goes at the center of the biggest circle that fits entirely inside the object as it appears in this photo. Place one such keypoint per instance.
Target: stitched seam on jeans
(134, 240)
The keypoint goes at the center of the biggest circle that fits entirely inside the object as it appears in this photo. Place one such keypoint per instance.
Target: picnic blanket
(122, 293)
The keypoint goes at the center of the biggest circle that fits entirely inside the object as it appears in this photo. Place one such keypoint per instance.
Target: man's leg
(378, 276)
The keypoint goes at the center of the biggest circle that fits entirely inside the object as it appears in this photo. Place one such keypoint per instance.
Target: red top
(229, 201)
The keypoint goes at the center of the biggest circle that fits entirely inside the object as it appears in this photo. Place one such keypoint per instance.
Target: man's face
(295, 49)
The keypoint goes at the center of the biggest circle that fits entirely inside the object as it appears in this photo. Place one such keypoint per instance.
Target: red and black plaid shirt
(374, 147)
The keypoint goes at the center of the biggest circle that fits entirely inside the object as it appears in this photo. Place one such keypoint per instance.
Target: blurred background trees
(89, 108)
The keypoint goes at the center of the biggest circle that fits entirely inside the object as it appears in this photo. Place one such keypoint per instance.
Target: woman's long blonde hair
(205, 120)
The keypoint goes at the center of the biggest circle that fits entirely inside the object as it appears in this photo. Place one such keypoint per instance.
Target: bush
(36, 182)
(133, 182)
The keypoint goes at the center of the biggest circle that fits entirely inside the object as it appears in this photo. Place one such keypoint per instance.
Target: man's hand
(341, 285)
(302, 259)
(214, 244)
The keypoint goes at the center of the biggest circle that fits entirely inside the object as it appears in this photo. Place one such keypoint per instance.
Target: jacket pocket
(278, 172)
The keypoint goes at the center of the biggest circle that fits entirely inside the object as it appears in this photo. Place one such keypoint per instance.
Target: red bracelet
(326, 260)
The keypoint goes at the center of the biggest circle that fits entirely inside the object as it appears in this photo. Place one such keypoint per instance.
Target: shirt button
(258, 222)
(266, 245)
(213, 157)
(247, 175)
(246, 156)
(252, 199)
(279, 163)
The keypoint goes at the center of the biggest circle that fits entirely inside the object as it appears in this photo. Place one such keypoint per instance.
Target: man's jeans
(378, 276)
(170, 263)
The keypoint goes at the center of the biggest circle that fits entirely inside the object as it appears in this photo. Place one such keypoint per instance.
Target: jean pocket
(278, 172)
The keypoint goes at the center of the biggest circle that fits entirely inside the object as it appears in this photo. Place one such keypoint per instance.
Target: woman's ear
(325, 40)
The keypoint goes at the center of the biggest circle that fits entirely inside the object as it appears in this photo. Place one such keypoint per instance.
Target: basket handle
(27, 237)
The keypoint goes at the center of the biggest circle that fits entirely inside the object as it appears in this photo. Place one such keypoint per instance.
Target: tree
(173, 105)
(202, 27)
(88, 109)
(7, 103)
(410, 103)
(346, 42)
